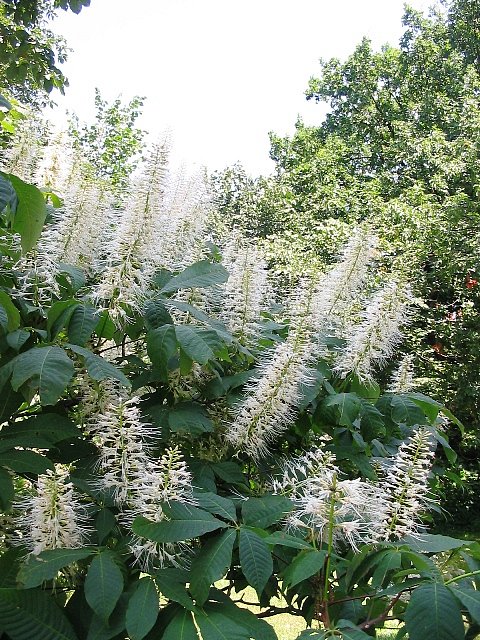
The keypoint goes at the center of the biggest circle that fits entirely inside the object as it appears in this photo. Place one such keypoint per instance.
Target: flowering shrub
(169, 421)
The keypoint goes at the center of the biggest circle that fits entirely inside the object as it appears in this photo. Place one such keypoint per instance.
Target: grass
(288, 627)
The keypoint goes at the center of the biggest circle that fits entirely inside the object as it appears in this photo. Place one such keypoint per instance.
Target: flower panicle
(246, 292)
(405, 485)
(122, 438)
(271, 404)
(374, 339)
(331, 508)
(161, 482)
(53, 516)
(402, 380)
(338, 289)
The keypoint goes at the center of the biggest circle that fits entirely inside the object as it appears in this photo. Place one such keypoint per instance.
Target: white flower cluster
(373, 341)
(246, 292)
(139, 482)
(271, 404)
(334, 510)
(53, 516)
(356, 512)
(406, 485)
(402, 378)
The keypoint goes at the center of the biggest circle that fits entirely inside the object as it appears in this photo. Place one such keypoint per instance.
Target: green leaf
(312, 634)
(202, 317)
(41, 431)
(8, 195)
(286, 540)
(189, 417)
(25, 461)
(211, 564)
(349, 632)
(7, 492)
(105, 522)
(32, 615)
(76, 277)
(142, 610)
(5, 104)
(156, 314)
(263, 512)
(470, 599)
(405, 411)
(82, 323)
(13, 314)
(430, 407)
(433, 613)
(259, 629)
(9, 566)
(30, 214)
(59, 316)
(3, 319)
(198, 344)
(172, 586)
(201, 274)
(216, 504)
(305, 565)
(430, 543)
(215, 624)
(17, 339)
(161, 346)
(99, 368)
(368, 390)
(229, 472)
(390, 561)
(10, 401)
(344, 406)
(49, 369)
(186, 522)
(103, 584)
(46, 565)
(181, 627)
(255, 559)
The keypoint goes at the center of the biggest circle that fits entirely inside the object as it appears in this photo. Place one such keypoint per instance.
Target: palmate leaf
(215, 623)
(30, 214)
(8, 195)
(255, 559)
(305, 565)
(46, 565)
(199, 344)
(25, 461)
(99, 368)
(13, 314)
(161, 346)
(433, 613)
(32, 614)
(259, 629)
(49, 369)
(181, 627)
(199, 275)
(218, 505)
(470, 599)
(211, 564)
(83, 321)
(142, 610)
(103, 584)
(185, 522)
(263, 512)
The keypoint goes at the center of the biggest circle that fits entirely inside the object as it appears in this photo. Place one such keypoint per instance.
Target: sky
(218, 74)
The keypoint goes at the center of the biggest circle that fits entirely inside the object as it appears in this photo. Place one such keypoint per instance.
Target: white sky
(220, 74)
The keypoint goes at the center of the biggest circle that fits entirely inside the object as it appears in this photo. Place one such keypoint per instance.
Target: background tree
(112, 143)
(30, 52)
(399, 147)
